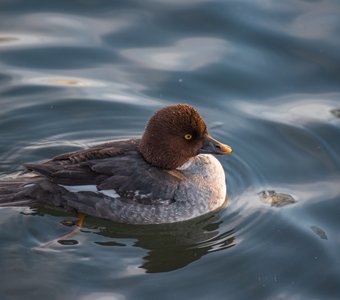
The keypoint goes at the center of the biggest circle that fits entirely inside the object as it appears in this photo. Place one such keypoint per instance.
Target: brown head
(176, 133)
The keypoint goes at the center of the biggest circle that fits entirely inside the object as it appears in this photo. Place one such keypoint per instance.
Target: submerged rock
(336, 112)
(276, 199)
(320, 232)
(68, 242)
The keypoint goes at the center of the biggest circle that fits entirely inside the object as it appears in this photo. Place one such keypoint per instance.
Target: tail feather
(40, 168)
(16, 191)
(26, 190)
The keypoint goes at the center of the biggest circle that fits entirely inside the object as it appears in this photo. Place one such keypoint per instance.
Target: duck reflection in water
(169, 246)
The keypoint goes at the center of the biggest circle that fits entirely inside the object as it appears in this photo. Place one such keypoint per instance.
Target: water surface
(265, 76)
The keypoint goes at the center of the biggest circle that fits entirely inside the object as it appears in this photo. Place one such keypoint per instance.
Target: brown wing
(101, 151)
(73, 169)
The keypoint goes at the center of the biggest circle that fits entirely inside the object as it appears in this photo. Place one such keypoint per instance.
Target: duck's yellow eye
(188, 136)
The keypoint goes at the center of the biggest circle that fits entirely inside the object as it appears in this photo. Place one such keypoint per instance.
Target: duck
(168, 175)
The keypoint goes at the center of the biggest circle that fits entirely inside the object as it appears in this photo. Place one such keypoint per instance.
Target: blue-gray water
(266, 77)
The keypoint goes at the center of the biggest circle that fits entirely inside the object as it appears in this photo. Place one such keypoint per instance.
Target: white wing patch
(80, 188)
(110, 193)
(90, 188)
(29, 185)
(138, 195)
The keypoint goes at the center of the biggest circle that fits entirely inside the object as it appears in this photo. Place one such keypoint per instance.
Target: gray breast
(205, 188)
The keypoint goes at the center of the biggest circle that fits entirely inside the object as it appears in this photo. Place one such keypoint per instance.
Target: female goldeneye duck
(168, 175)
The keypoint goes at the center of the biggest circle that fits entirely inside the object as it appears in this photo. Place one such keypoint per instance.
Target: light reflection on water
(263, 74)
(180, 57)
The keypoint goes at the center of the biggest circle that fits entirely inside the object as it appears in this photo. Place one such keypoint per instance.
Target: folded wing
(114, 166)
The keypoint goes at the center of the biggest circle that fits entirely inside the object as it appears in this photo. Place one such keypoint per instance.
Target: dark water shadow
(169, 246)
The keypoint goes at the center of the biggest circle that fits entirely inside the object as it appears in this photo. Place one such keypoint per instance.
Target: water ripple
(265, 77)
